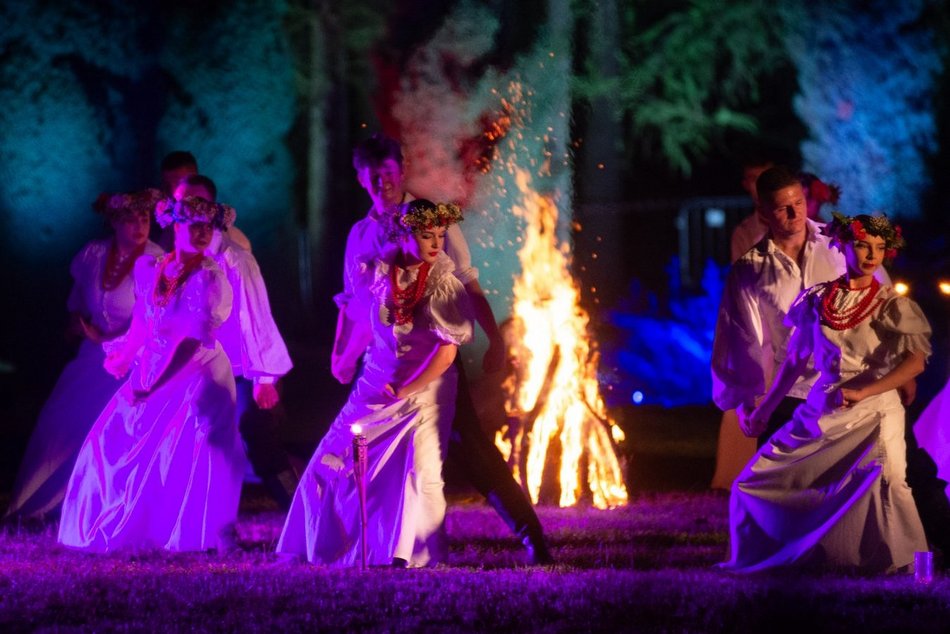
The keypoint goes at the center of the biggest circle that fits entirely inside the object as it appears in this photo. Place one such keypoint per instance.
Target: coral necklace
(167, 284)
(843, 319)
(118, 267)
(404, 300)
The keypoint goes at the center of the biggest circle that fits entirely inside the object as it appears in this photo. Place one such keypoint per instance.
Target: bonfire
(554, 404)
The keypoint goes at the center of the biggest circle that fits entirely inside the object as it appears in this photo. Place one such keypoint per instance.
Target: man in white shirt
(751, 336)
(379, 167)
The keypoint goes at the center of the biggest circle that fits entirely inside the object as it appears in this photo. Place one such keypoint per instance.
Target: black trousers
(481, 462)
(260, 433)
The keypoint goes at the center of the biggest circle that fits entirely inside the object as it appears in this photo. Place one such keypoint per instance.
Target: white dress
(830, 487)
(932, 431)
(81, 391)
(407, 440)
(162, 465)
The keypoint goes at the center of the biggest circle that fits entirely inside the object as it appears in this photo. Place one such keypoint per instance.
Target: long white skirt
(160, 471)
(407, 440)
(82, 390)
(932, 430)
(828, 491)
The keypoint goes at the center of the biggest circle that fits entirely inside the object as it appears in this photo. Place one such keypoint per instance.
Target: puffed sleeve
(143, 276)
(738, 374)
(451, 312)
(263, 349)
(910, 331)
(207, 297)
(364, 245)
(353, 269)
(801, 317)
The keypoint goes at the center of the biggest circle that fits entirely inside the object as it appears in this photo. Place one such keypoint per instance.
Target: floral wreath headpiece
(194, 209)
(421, 214)
(115, 206)
(843, 229)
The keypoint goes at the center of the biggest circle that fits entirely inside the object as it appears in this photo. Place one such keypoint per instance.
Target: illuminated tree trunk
(600, 165)
(311, 234)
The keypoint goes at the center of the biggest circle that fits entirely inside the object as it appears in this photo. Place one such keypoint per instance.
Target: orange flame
(555, 363)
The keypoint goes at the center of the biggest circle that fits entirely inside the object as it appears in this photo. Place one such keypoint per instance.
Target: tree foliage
(687, 76)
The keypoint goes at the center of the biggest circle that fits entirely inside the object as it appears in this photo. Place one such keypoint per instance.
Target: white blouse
(863, 353)
(367, 242)
(194, 311)
(110, 311)
(249, 336)
(443, 315)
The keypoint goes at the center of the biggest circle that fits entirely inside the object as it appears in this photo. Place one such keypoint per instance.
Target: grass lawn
(647, 567)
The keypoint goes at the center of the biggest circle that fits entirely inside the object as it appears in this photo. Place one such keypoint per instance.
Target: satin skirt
(407, 441)
(932, 431)
(82, 390)
(162, 470)
(828, 490)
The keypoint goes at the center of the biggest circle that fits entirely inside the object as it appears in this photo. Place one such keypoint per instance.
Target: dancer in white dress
(932, 431)
(404, 402)
(829, 487)
(100, 304)
(162, 466)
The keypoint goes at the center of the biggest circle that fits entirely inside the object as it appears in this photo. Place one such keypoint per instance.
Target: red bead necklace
(167, 285)
(404, 300)
(843, 319)
(117, 268)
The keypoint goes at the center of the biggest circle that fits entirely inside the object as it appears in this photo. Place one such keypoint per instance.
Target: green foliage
(689, 75)
(350, 28)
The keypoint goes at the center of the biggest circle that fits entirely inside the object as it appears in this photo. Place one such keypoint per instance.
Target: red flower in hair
(890, 254)
(857, 230)
(897, 230)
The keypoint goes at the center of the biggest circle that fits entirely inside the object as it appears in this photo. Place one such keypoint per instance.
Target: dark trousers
(483, 466)
(782, 414)
(260, 432)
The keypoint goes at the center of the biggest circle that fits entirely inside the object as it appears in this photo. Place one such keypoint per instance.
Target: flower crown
(421, 214)
(115, 206)
(843, 229)
(194, 209)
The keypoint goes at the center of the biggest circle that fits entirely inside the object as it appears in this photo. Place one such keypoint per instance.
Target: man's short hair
(200, 180)
(774, 179)
(375, 150)
(178, 159)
